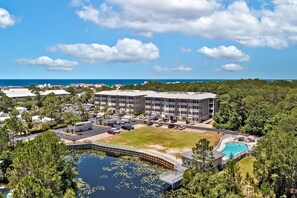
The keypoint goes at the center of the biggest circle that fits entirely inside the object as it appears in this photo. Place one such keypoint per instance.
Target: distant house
(187, 159)
(58, 92)
(18, 93)
(118, 86)
(42, 120)
(21, 109)
(4, 116)
(100, 85)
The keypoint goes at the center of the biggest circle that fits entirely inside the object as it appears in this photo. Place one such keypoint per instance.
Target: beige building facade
(193, 106)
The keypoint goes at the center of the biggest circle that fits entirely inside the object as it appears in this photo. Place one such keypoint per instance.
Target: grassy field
(246, 165)
(164, 140)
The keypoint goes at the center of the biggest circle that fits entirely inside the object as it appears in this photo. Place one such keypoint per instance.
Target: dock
(173, 178)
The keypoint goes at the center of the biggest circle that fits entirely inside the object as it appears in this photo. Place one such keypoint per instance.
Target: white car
(116, 130)
(182, 127)
(141, 117)
(125, 120)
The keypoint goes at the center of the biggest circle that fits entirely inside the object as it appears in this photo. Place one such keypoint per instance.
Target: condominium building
(194, 106)
(122, 101)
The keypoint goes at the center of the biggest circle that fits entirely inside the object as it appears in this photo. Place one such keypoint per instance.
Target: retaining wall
(115, 150)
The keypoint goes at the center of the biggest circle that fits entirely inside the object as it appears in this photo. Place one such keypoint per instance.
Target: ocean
(109, 82)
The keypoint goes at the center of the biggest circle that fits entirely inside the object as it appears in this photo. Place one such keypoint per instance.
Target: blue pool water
(232, 148)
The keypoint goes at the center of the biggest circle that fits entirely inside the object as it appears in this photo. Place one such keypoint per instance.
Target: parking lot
(97, 129)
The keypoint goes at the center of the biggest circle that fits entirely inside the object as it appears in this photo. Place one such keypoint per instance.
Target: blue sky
(151, 39)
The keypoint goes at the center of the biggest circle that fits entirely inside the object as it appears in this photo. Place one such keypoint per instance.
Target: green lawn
(246, 165)
(161, 139)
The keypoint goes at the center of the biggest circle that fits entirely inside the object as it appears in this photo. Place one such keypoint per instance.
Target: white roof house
(21, 109)
(4, 118)
(43, 120)
(18, 93)
(58, 92)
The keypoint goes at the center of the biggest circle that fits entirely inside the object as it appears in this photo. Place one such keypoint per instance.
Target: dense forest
(250, 106)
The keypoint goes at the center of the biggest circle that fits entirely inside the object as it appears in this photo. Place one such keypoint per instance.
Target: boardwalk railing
(117, 150)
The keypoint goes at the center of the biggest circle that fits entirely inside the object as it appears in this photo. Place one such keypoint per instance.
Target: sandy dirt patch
(97, 137)
(176, 151)
(156, 147)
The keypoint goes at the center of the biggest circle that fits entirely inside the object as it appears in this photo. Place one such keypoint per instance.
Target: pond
(105, 176)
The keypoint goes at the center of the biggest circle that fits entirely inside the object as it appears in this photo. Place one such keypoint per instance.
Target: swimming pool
(233, 148)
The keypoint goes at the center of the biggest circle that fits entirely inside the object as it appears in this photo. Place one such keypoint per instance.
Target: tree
(29, 187)
(4, 138)
(256, 121)
(45, 159)
(69, 194)
(232, 176)
(276, 162)
(51, 106)
(5, 103)
(202, 153)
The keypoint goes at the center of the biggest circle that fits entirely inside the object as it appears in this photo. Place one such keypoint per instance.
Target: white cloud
(51, 64)
(76, 3)
(181, 68)
(261, 27)
(230, 53)
(125, 50)
(185, 50)
(6, 19)
(231, 68)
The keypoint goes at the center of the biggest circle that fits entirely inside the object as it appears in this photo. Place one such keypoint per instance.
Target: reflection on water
(105, 176)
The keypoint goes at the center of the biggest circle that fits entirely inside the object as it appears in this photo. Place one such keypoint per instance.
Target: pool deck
(231, 138)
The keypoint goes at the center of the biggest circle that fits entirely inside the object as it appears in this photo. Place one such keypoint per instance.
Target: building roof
(189, 154)
(56, 92)
(21, 108)
(182, 95)
(125, 93)
(18, 93)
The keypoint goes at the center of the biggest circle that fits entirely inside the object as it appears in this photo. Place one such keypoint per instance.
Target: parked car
(111, 124)
(173, 121)
(165, 120)
(154, 118)
(111, 132)
(120, 122)
(192, 123)
(117, 130)
(171, 126)
(182, 127)
(188, 121)
(99, 117)
(141, 117)
(127, 127)
(149, 123)
(125, 120)
(159, 124)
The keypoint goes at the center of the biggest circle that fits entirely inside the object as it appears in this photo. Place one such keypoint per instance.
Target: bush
(58, 126)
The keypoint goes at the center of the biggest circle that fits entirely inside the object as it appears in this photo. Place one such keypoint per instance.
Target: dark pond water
(110, 177)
